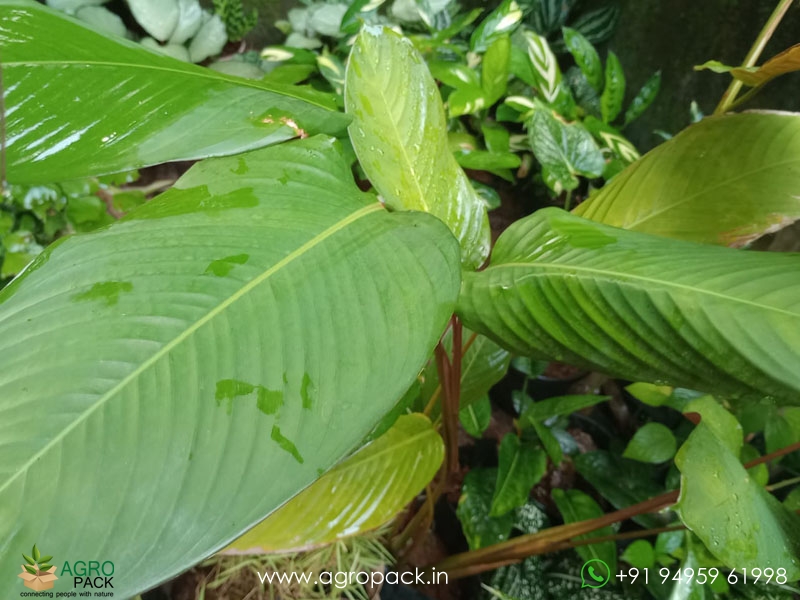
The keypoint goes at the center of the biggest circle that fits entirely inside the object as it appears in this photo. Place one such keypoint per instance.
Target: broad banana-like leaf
(79, 103)
(642, 307)
(726, 180)
(399, 133)
(359, 494)
(167, 382)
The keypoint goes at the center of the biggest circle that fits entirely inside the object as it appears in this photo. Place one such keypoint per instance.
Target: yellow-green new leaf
(725, 180)
(787, 61)
(81, 103)
(642, 307)
(399, 133)
(361, 493)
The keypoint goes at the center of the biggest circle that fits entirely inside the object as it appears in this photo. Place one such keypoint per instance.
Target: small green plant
(36, 563)
(237, 22)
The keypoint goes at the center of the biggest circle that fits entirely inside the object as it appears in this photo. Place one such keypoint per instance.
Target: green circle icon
(595, 573)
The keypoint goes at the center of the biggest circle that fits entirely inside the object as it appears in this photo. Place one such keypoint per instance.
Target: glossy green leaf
(585, 56)
(56, 71)
(738, 520)
(565, 150)
(502, 20)
(782, 428)
(340, 504)
(621, 481)
(640, 554)
(480, 529)
(759, 473)
(613, 90)
(192, 352)
(575, 506)
(499, 163)
(652, 443)
(495, 69)
(642, 307)
(476, 417)
(399, 133)
(651, 394)
(643, 98)
(787, 61)
(726, 180)
(466, 100)
(520, 467)
(548, 440)
(454, 74)
(560, 405)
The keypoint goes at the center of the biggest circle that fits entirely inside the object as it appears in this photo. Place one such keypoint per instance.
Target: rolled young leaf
(79, 103)
(399, 133)
(725, 180)
(361, 493)
(642, 307)
(167, 382)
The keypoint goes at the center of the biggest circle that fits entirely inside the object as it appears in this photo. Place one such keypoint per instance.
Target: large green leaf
(737, 519)
(399, 132)
(360, 494)
(168, 381)
(521, 465)
(79, 103)
(642, 307)
(725, 180)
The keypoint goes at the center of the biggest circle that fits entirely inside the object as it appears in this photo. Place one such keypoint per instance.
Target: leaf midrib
(198, 72)
(656, 282)
(186, 333)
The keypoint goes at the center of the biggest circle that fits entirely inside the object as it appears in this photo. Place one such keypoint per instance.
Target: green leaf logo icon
(36, 554)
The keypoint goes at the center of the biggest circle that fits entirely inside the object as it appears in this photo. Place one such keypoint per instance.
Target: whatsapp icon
(595, 573)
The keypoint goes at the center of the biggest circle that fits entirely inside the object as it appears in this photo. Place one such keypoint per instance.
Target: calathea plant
(171, 380)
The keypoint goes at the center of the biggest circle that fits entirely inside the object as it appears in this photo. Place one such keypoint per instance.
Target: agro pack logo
(37, 572)
(90, 578)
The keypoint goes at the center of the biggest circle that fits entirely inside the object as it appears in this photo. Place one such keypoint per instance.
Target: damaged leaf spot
(223, 266)
(285, 443)
(107, 292)
(267, 401)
